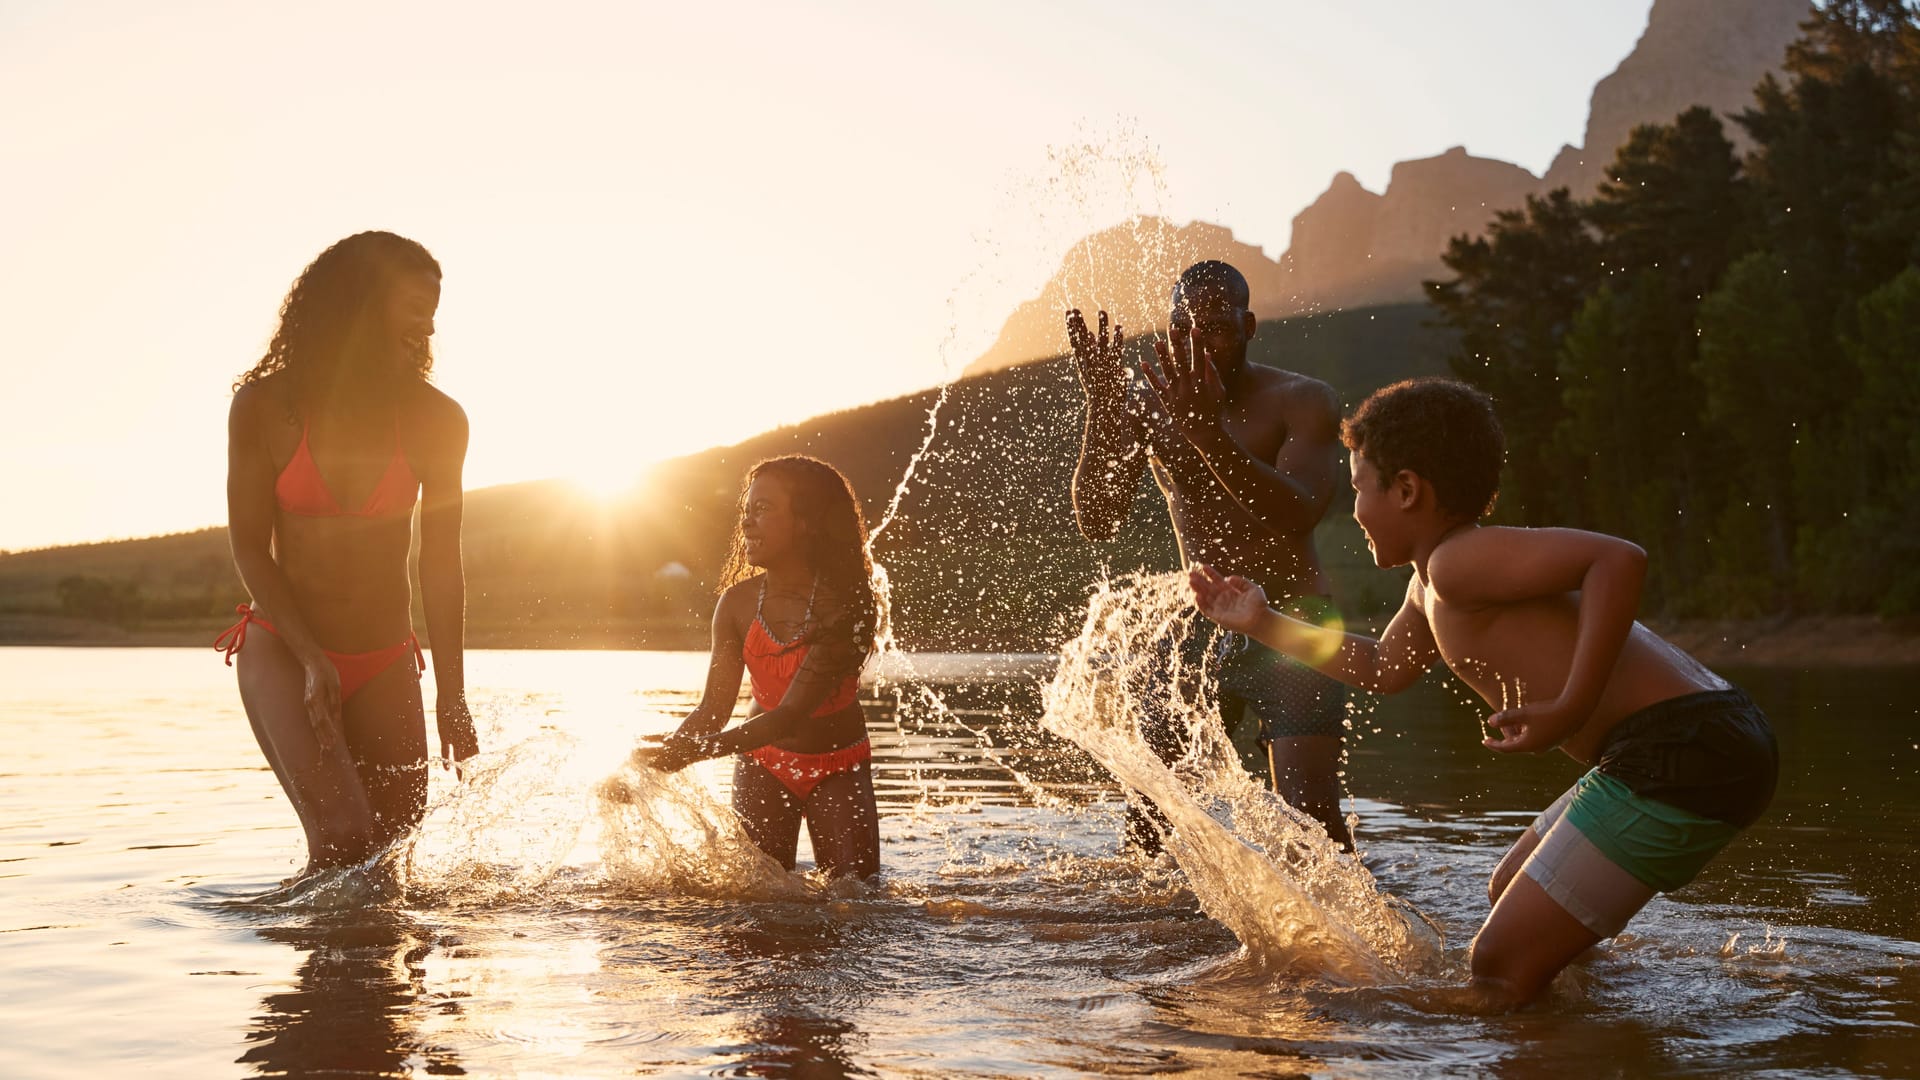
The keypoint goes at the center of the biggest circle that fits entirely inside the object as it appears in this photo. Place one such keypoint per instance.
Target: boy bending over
(1540, 623)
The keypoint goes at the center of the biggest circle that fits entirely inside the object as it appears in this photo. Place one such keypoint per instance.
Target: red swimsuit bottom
(356, 669)
(772, 665)
(801, 773)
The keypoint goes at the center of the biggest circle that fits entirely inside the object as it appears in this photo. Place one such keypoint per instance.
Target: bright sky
(663, 228)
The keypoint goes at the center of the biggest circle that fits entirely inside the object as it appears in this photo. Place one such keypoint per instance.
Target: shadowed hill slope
(982, 554)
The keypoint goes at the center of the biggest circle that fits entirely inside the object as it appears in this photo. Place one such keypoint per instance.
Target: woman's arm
(1386, 666)
(250, 509)
(443, 583)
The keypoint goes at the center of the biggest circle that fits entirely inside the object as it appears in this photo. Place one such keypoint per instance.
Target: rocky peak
(1353, 247)
(1128, 271)
(1693, 52)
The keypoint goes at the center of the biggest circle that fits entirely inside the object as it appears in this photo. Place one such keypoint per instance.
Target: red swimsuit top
(301, 490)
(772, 664)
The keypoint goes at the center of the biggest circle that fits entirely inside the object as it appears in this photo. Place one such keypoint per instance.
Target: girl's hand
(1233, 602)
(676, 752)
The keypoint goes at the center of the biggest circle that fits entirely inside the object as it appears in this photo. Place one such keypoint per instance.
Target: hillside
(983, 553)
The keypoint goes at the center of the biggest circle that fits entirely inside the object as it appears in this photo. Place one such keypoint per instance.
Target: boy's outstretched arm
(1387, 666)
(1489, 567)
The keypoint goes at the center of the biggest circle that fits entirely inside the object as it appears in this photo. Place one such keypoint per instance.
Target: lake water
(1006, 937)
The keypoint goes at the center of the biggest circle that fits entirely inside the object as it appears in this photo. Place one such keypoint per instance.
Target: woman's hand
(1233, 602)
(455, 721)
(322, 698)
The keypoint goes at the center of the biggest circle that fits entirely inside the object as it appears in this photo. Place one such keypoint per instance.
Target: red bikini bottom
(800, 773)
(356, 669)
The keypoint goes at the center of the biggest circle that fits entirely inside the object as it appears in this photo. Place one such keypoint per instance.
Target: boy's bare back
(1490, 603)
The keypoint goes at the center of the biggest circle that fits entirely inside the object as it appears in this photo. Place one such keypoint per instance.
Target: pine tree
(1515, 295)
(1761, 392)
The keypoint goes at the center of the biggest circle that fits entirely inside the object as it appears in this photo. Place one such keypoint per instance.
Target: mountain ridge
(1352, 247)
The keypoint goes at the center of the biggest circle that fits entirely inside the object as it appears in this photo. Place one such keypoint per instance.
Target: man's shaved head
(1215, 278)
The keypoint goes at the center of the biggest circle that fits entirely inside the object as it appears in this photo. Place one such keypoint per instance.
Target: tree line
(1718, 354)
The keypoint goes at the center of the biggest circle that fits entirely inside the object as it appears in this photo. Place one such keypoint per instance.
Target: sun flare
(609, 483)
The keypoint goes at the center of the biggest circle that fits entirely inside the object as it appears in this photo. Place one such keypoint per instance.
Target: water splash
(545, 816)
(1036, 259)
(1772, 946)
(1266, 871)
(499, 832)
(666, 834)
(508, 827)
(1100, 180)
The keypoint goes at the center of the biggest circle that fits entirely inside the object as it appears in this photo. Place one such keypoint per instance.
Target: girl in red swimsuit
(332, 437)
(801, 629)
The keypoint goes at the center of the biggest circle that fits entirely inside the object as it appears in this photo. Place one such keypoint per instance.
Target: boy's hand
(1233, 602)
(1103, 373)
(1527, 729)
(1187, 386)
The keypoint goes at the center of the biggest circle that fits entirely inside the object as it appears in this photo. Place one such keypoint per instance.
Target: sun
(609, 483)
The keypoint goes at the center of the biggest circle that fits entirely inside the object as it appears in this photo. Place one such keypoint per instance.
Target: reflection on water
(350, 1010)
(1006, 938)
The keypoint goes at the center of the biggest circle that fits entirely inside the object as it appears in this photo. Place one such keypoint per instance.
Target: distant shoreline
(1808, 641)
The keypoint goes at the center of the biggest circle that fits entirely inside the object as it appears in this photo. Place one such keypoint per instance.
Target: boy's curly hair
(1441, 429)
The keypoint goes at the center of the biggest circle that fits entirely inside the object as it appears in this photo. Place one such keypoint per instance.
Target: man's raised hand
(1103, 372)
(1186, 385)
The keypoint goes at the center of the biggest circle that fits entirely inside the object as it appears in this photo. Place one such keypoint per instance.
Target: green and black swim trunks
(1675, 783)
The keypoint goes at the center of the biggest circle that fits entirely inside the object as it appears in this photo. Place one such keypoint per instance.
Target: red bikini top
(301, 490)
(772, 664)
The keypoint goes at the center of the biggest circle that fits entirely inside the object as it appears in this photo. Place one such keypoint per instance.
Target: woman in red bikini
(330, 438)
(801, 629)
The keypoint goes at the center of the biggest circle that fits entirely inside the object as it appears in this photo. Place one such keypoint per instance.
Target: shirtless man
(1540, 623)
(1247, 460)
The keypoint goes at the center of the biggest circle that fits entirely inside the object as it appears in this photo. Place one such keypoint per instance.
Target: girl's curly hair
(834, 537)
(335, 310)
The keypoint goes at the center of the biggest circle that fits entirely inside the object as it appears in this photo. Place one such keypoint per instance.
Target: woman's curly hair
(336, 306)
(834, 538)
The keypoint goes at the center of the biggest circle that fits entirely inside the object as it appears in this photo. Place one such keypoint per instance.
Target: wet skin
(1539, 622)
(354, 769)
(1503, 609)
(1246, 458)
(841, 817)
